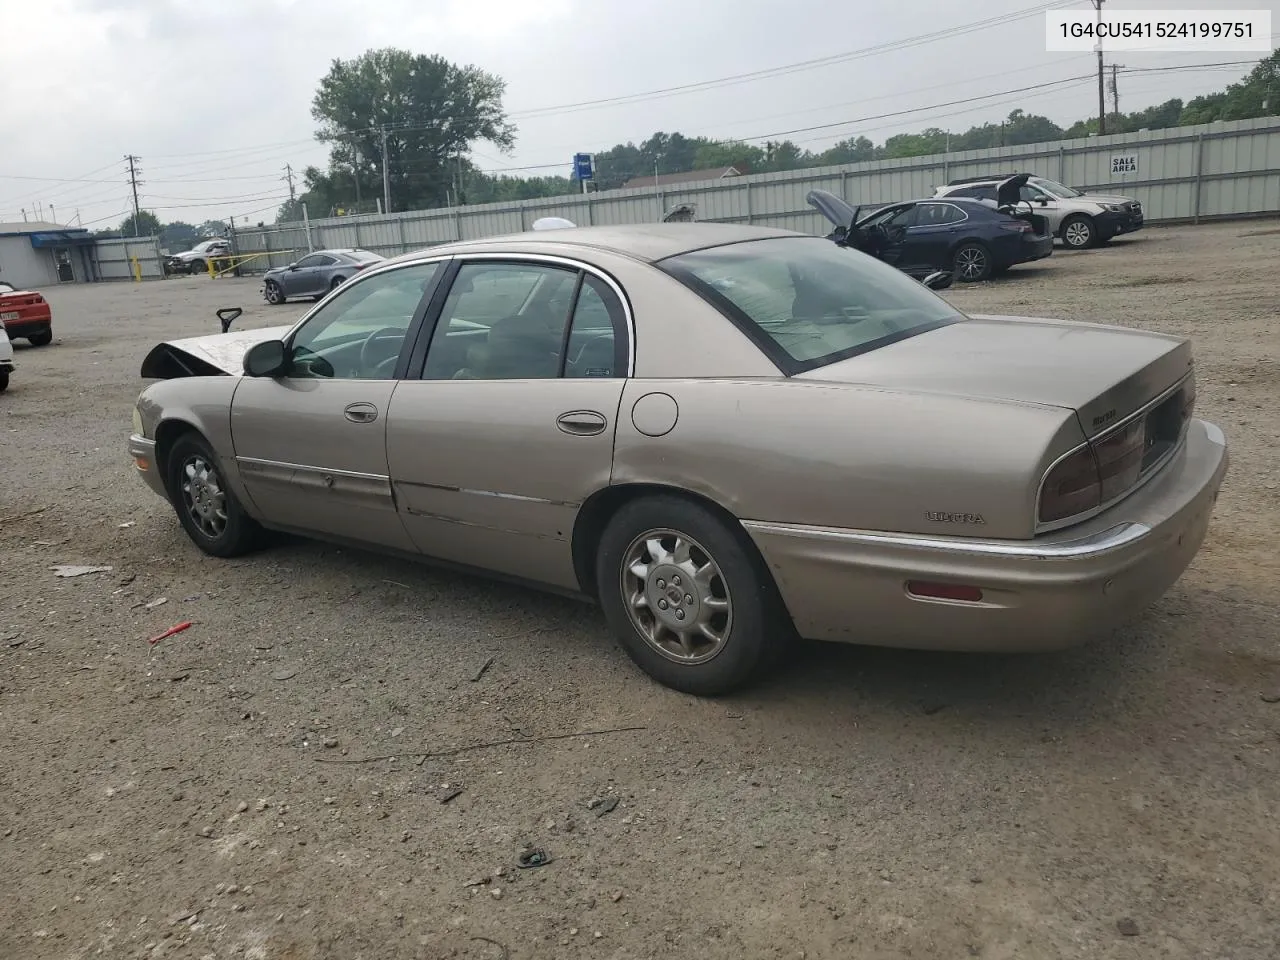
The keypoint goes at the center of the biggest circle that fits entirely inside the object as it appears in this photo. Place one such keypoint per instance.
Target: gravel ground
(217, 795)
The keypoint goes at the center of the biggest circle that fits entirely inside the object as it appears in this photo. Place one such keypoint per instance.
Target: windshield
(1055, 188)
(807, 302)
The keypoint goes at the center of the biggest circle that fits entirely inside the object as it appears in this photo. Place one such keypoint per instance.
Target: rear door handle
(361, 412)
(582, 423)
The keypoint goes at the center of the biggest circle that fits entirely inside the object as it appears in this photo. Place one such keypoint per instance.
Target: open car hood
(218, 354)
(832, 207)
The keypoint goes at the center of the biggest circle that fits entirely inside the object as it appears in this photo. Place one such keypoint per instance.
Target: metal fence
(113, 259)
(1185, 174)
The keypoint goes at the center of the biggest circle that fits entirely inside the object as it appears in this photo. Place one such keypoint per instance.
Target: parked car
(315, 274)
(196, 260)
(6, 359)
(921, 237)
(25, 314)
(726, 435)
(1080, 220)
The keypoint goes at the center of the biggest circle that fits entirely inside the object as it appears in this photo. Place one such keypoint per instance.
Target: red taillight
(361, 266)
(1017, 226)
(1072, 487)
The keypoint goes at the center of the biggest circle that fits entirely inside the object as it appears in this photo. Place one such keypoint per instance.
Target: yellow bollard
(137, 270)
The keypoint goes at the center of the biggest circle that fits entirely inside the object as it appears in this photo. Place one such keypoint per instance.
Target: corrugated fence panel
(113, 258)
(1219, 169)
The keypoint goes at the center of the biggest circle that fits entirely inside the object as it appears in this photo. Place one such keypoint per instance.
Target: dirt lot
(212, 796)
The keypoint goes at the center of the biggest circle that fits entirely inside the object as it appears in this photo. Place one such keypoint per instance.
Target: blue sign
(583, 166)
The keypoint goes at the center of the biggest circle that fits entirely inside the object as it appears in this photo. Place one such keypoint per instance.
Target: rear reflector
(944, 591)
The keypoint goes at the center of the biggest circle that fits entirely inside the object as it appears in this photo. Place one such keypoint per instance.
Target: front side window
(806, 302)
(358, 334)
(315, 260)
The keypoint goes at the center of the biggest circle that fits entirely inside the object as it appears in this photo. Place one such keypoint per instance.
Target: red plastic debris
(170, 632)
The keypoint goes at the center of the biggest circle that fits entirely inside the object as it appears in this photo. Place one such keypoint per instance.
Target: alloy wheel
(1078, 234)
(971, 263)
(676, 596)
(203, 497)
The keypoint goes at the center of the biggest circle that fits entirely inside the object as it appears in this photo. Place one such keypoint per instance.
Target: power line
(797, 67)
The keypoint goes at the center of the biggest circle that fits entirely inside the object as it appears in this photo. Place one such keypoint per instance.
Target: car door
(510, 425)
(883, 234)
(1045, 204)
(311, 445)
(307, 279)
(932, 235)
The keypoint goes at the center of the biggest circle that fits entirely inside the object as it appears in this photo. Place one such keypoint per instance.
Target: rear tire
(1079, 233)
(663, 557)
(4, 380)
(971, 262)
(207, 509)
(335, 283)
(41, 339)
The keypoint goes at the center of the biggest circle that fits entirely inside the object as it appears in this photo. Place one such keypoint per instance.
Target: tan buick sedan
(728, 436)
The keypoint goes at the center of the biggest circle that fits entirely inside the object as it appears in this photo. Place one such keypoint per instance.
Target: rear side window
(938, 214)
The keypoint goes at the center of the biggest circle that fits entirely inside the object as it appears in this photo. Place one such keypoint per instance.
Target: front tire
(41, 339)
(208, 510)
(687, 596)
(198, 266)
(971, 262)
(1079, 233)
(275, 296)
(4, 380)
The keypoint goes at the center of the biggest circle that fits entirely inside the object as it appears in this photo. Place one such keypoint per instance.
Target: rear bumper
(29, 323)
(1036, 248)
(1048, 593)
(143, 453)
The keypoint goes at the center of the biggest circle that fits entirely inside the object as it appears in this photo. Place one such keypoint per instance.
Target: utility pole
(1115, 88)
(288, 178)
(386, 174)
(1102, 98)
(355, 169)
(133, 183)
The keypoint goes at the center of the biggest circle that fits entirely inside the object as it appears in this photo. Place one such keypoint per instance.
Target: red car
(25, 313)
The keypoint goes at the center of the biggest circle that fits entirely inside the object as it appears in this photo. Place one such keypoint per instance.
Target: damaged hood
(214, 355)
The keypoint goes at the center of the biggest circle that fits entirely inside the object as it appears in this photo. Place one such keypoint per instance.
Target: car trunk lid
(1102, 373)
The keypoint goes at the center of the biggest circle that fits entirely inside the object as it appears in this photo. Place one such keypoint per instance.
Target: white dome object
(552, 223)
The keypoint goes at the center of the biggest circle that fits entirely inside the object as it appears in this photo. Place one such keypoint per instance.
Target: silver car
(1079, 220)
(726, 435)
(315, 274)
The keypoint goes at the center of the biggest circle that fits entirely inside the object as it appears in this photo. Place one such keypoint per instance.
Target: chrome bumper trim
(1094, 545)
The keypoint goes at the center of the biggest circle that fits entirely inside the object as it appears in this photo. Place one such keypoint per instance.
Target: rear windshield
(807, 302)
(363, 256)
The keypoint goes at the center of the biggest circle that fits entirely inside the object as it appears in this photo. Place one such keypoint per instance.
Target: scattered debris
(607, 806)
(330, 743)
(497, 893)
(616, 896)
(127, 579)
(179, 677)
(158, 602)
(453, 751)
(506, 954)
(1271, 697)
(483, 669)
(533, 858)
(284, 674)
(126, 525)
(1127, 926)
(176, 628)
(242, 807)
(397, 583)
(206, 832)
(22, 516)
(448, 793)
(13, 639)
(76, 570)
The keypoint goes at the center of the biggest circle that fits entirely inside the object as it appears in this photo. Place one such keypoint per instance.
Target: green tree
(711, 154)
(853, 150)
(431, 110)
(148, 225)
(178, 236)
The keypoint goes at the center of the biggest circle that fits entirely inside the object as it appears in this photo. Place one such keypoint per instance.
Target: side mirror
(293, 266)
(939, 280)
(267, 359)
(1043, 201)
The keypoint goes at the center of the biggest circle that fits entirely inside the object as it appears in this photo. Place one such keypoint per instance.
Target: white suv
(1080, 220)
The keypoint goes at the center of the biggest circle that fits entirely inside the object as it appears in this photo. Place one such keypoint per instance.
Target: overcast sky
(215, 97)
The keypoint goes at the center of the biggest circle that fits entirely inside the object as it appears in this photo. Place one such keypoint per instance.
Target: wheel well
(1062, 227)
(167, 434)
(601, 506)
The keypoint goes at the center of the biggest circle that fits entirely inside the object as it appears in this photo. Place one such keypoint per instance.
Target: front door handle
(582, 423)
(361, 412)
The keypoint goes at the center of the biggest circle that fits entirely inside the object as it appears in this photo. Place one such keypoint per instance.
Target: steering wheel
(366, 349)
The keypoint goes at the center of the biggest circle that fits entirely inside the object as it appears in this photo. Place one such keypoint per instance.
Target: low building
(35, 255)
(688, 176)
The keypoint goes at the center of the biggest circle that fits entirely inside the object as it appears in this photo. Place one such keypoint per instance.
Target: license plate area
(8, 315)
